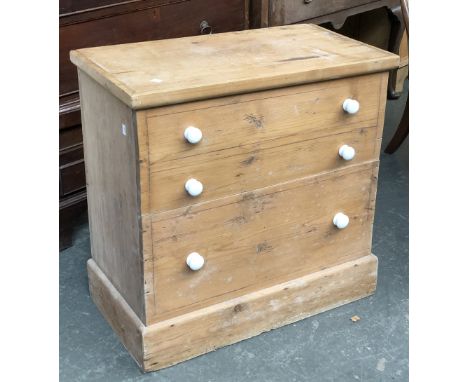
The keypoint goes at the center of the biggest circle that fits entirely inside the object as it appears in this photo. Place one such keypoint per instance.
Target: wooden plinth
(183, 337)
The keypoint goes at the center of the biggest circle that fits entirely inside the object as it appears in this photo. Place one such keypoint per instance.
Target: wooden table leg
(401, 133)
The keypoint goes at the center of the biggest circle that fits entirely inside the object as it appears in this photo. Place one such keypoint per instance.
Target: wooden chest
(231, 183)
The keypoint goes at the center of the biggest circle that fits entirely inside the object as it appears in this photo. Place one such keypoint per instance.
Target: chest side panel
(113, 191)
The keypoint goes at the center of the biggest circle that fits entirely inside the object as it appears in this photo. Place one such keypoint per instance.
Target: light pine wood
(145, 218)
(361, 135)
(115, 309)
(234, 320)
(112, 190)
(257, 166)
(156, 73)
(246, 118)
(256, 239)
(259, 139)
(174, 340)
(269, 104)
(381, 119)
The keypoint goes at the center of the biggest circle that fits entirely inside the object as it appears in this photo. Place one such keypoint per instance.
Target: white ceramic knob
(193, 187)
(351, 106)
(193, 134)
(346, 152)
(340, 220)
(195, 261)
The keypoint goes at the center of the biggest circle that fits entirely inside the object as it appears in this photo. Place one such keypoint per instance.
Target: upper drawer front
(147, 20)
(71, 6)
(293, 11)
(256, 239)
(256, 140)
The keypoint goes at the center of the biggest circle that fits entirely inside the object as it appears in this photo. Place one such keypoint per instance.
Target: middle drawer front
(256, 239)
(255, 140)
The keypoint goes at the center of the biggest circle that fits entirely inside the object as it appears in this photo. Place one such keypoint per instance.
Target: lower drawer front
(257, 239)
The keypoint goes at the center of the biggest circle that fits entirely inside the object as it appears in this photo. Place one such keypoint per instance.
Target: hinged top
(155, 73)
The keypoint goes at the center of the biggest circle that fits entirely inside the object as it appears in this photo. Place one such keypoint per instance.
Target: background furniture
(403, 69)
(87, 23)
(266, 13)
(403, 128)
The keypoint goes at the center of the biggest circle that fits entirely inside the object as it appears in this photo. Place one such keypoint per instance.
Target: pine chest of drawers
(231, 183)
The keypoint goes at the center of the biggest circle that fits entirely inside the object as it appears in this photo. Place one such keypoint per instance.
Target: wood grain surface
(120, 316)
(190, 335)
(180, 338)
(157, 73)
(113, 194)
(256, 239)
(255, 140)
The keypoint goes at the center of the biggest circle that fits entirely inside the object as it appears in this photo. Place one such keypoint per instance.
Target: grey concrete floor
(325, 347)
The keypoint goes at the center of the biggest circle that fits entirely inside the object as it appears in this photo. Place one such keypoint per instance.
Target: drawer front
(257, 239)
(69, 138)
(71, 161)
(260, 139)
(72, 177)
(69, 112)
(69, 156)
(71, 6)
(148, 20)
(293, 11)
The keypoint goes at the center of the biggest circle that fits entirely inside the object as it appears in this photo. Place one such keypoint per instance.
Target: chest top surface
(155, 73)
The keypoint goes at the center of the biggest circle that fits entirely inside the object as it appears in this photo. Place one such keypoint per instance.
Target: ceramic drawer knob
(193, 187)
(195, 261)
(340, 220)
(193, 135)
(350, 106)
(346, 152)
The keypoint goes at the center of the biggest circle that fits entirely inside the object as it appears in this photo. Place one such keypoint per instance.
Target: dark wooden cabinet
(88, 23)
(295, 11)
(270, 13)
